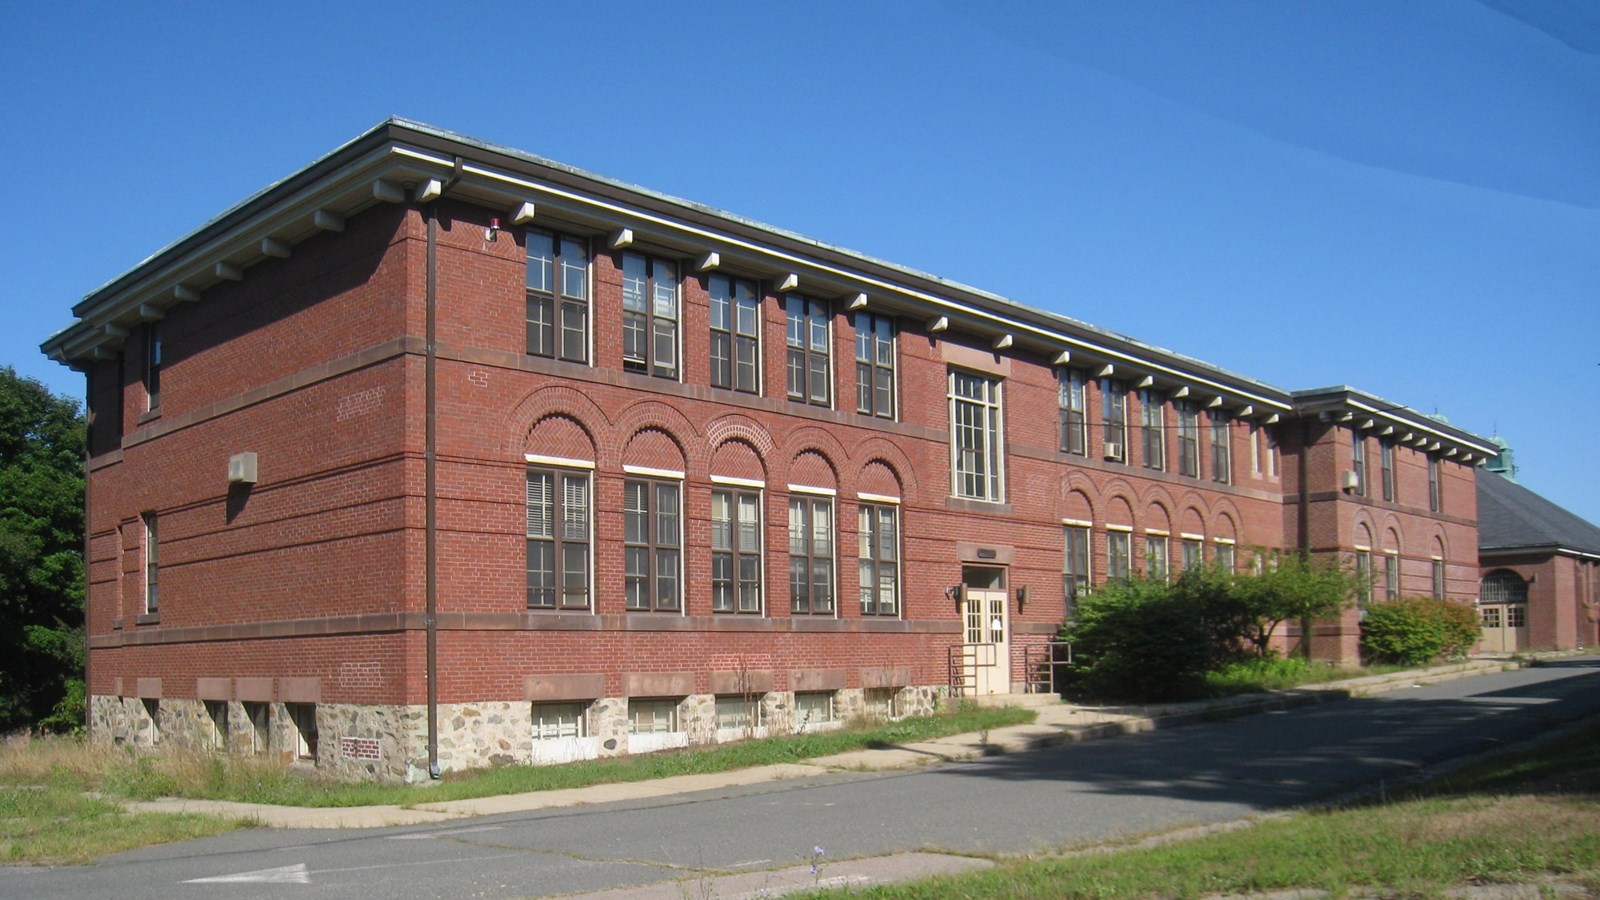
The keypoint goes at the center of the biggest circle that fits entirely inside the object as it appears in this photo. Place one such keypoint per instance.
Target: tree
(1293, 586)
(42, 440)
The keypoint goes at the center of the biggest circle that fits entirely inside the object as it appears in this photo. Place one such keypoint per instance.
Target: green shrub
(1416, 630)
(1138, 641)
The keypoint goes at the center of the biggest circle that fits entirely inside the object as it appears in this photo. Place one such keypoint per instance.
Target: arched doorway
(1503, 606)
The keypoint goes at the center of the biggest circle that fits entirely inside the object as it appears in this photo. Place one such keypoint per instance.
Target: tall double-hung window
(810, 555)
(1221, 448)
(736, 551)
(559, 513)
(1358, 461)
(875, 365)
(1188, 438)
(807, 335)
(735, 334)
(652, 541)
(558, 296)
(1070, 388)
(1152, 416)
(1114, 413)
(649, 315)
(1386, 460)
(152, 365)
(152, 564)
(976, 448)
(1119, 555)
(878, 536)
(1435, 491)
(1075, 563)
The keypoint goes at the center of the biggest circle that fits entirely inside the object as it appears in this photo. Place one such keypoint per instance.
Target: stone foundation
(389, 743)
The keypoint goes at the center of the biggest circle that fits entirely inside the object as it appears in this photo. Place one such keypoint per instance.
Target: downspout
(1307, 626)
(429, 493)
(430, 455)
(88, 453)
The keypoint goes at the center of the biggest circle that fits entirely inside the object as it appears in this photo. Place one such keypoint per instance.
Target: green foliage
(1145, 639)
(1138, 640)
(41, 550)
(1416, 630)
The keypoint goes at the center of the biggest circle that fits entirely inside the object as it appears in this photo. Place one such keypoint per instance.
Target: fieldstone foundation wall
(389, 743)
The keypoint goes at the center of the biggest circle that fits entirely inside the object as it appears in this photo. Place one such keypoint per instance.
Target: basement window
(552, 721)
(260, 732)
(813, 708)
(217, 715)
(304, 718)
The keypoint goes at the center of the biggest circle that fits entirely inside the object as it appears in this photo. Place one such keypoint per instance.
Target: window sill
(150, 415)
(147, 619)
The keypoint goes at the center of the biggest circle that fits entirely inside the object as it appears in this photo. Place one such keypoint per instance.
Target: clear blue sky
(1397, 196)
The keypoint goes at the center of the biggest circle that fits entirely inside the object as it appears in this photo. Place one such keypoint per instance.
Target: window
(558, 296)
(217, 718)
(1272, 453)
(1152, 413)
(1386, 460)
(878, 534)
(1114, 413)
(1194, 553)
(735, 334)
(1188, 438)
(813, 708)
(1516, 617)
(1074, 424)
(875, 365)
(259, 715)
(1364, 573)
(736, 711)
(152, 712)
(552, 721)
(811, 555)
(975, 450)
(1075, 565)
(650, 537)
(1358, 462)
(1221, 448)
(1157, 553)
(1255, 449)
(1391, 576)
(652, 716)
(558, 539)
(1118, 554)
(1435, 496)
(1438, 578)
(735, 551)
(1226, 560)
(1503, 587)
(152, 366)
(649, 315)
(1491, 617)
(880, 704)
(810, 377)
(303, 716)
(152, 567)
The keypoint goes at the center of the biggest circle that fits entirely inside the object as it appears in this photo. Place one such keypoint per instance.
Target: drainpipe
(429, 493)
(88, 453)
(430, 456)
(1304, 519)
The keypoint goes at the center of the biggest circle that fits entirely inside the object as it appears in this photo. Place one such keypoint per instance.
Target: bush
(1416, 630)
(1138, 641)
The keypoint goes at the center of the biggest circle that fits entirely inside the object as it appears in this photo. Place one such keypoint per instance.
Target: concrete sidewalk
(1057, 723)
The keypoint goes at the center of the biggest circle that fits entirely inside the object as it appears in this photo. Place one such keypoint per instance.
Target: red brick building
(439, 453)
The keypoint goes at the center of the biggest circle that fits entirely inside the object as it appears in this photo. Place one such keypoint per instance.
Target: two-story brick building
(437, 453)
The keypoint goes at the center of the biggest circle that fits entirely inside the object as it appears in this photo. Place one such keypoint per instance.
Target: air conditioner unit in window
(1351, 480)
(1113, 450)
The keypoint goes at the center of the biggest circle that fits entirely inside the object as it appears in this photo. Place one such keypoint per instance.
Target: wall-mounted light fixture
(492, 233)
(1022, 597)
(955, 592)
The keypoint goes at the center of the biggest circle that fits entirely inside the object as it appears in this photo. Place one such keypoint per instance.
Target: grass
(1256, 675)
(123, 772)
(1522, 818)
(58, 824)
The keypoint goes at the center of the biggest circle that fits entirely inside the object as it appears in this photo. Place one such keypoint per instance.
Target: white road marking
(430, 835)
(295, 874)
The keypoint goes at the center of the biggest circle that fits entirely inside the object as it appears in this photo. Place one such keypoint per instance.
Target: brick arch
(1394, 535)
(653, 414)
(1223, 508)
(1115, 486)
(1119, 510)
(880, 450)
(1077, 504)
(1192, 521)
(1155, 494)
(1157, 516)
(559, 434)
(736, 457)
(553, 400)
(809, 438)
(1224, 526)
(812, 467)
(735, 426)
(879, 477)
(1362, 533)
(654, 447)
(1439, 545)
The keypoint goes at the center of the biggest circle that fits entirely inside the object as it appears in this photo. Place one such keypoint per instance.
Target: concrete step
(1028, 700)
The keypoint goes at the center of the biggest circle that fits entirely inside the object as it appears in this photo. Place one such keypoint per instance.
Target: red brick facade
(317, 363)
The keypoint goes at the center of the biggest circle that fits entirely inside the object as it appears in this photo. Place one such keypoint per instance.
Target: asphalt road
(1197, 774)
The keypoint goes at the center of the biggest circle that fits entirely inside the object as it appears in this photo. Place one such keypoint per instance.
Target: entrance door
(1505, 627)
(985, 626)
